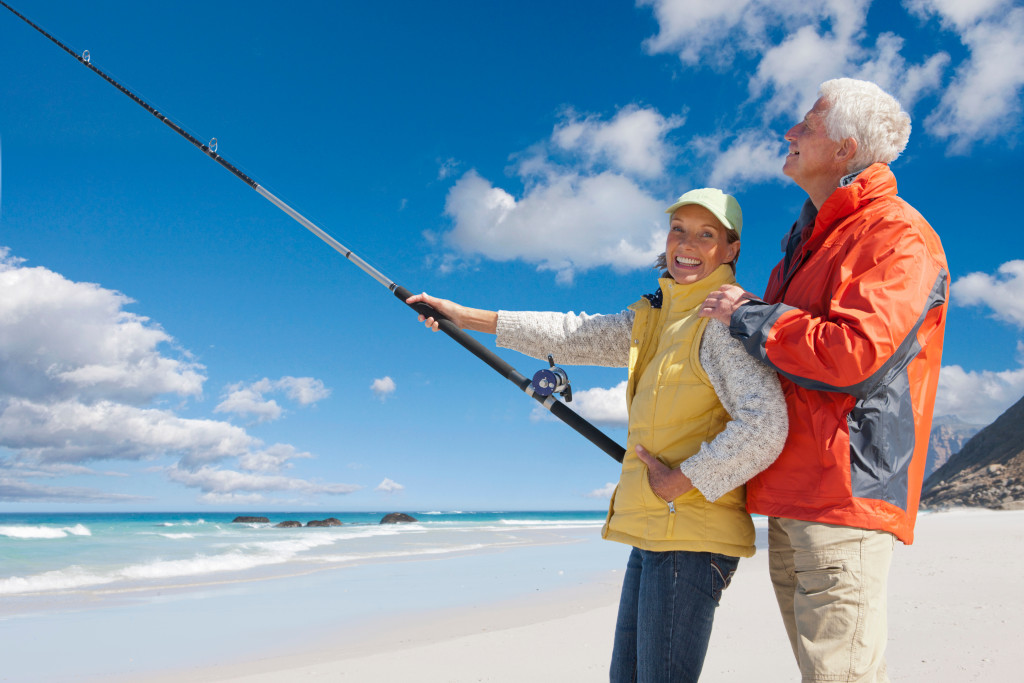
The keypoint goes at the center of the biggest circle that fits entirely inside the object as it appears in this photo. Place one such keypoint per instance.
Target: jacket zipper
(671, 519)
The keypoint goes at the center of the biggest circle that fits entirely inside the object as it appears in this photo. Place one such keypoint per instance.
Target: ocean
(130, 594)
(55, 553)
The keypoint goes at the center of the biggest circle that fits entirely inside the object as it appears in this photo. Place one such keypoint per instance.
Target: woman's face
(697, 244)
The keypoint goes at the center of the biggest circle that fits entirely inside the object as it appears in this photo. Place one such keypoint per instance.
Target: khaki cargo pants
(830, 582)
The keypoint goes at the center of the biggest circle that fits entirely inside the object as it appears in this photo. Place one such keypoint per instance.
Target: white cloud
(303, 390)
(982, 396)
(796, 41)
(797, 45)
(236, 499)
(600, 207)
(383, 387)
(79, 379)
(792, 70)
(979, 397)
(73, 431)
(587, 198)
(789, 73)
(693, 30)
(605, 492)
(389, 486)
(214, 480)
(567, 223)
(447, 168)
(271, 459)
(633, 141)
(751, 156)
(1003, 293)
(961, 14)
(984, 98)
(599, 406)
(14, 490)
(713, 32)
(24, 469)
(916, 80)
(246, 401)
(61, 338)
(249, 401)
(606, 407)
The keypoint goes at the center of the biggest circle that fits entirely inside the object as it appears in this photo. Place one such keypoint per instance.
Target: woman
(704, 417)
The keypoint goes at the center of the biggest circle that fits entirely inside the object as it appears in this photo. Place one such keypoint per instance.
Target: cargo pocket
(821, 580)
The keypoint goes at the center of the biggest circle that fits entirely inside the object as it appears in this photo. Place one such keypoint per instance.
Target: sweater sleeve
(751, 394)
(573, 339)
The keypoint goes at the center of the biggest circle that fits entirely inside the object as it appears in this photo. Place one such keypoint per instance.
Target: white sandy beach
(955, 616)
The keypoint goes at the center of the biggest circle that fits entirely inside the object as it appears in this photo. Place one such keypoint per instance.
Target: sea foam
(44, 532)
(241, 557)
(131, 552)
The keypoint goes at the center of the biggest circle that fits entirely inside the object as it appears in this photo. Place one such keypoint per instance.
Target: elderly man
(852, 320)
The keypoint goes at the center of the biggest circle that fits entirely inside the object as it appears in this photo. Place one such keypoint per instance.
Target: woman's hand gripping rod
(556, 407)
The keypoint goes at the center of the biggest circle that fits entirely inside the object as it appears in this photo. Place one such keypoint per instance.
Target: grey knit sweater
(749, 391)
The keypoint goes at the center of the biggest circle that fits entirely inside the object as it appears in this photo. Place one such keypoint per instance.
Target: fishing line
(548, 381)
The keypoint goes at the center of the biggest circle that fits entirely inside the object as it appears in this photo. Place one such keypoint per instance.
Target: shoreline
(291, 610)
(541, 608)
(432, 642)
(952, 619)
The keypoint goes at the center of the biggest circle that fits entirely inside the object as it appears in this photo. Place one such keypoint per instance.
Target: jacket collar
(690, 295)
(873, 182)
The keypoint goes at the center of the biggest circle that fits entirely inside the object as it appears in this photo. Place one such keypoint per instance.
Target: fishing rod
(545, 384)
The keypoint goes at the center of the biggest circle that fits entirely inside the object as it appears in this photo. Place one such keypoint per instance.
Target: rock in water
(291, 523)
(397, 518)
(330, 521)
(251, 520)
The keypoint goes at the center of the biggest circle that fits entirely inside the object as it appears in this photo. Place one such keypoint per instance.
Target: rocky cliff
(987, 472)
(949, 435)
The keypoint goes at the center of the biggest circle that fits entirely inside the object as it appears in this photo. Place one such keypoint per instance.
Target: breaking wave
(44, 532)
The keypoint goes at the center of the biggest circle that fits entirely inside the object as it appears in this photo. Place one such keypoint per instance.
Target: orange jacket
(853, 321)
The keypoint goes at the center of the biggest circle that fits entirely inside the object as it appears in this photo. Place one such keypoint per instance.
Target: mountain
(987, 472)
(949, 434)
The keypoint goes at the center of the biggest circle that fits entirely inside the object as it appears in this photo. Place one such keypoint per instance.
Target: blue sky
(169, 340)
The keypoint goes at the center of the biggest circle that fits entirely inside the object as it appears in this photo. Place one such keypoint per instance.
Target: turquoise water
(122, 596)
(55, 553)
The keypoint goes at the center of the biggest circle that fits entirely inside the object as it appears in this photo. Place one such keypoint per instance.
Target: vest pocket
(663, 514)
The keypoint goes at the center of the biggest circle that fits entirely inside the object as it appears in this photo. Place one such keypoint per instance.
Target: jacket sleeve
(573, 339)
(750, 393)
(886, 281)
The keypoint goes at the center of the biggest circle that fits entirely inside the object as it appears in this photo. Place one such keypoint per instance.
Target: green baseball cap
(724, 206)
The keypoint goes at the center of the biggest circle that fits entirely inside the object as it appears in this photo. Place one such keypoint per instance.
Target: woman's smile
(697, 244)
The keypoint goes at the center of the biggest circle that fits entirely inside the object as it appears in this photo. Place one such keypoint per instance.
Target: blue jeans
(665, 614)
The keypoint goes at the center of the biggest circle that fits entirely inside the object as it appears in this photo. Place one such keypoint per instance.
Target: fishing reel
(552, 380)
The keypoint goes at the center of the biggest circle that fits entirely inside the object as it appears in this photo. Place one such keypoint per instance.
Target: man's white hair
(863, 111)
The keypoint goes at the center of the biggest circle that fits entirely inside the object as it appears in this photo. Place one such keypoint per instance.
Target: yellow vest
(672, 410)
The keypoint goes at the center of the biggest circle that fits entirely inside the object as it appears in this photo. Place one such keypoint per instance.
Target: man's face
(811, 161)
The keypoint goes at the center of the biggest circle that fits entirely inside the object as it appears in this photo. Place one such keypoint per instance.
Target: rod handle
(468, 342)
